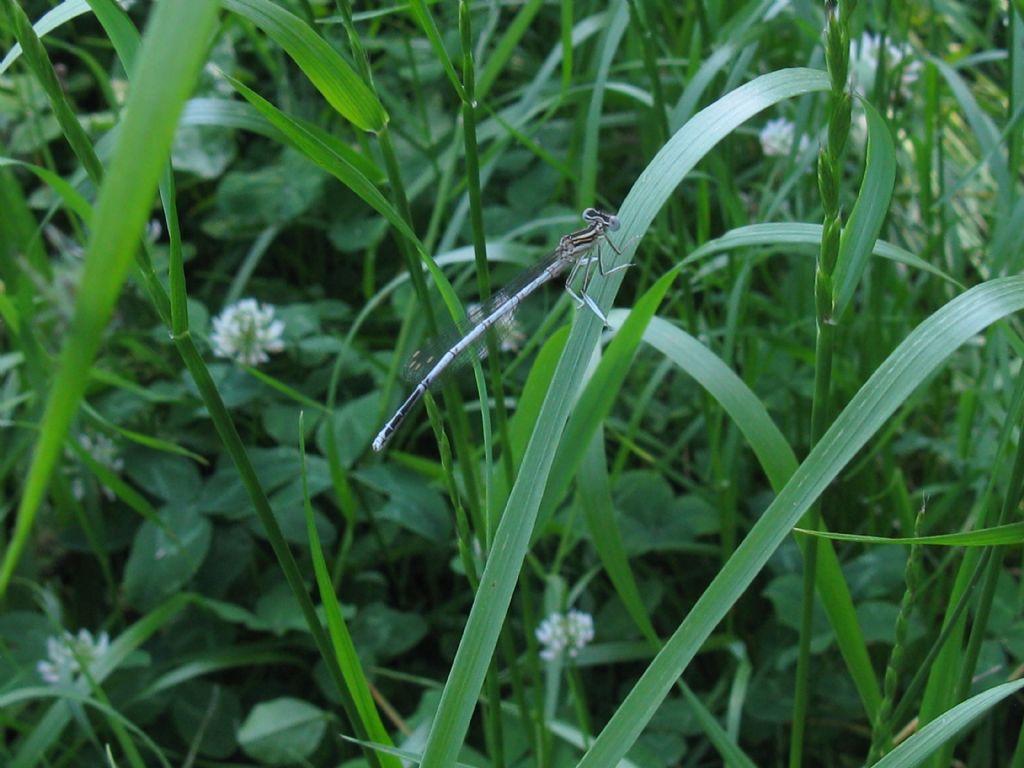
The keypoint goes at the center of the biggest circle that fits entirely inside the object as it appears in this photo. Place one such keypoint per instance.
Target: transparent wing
(425, 358)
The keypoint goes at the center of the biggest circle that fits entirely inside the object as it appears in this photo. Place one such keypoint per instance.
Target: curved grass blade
(933, 736)
(325, 68)
(614, 30)
(43, 69)
(600, 513)
(781, 234)
(861, 231)
(49, 21)
(421, 13)
(226, 113)
(71, 196)
(1000, 535)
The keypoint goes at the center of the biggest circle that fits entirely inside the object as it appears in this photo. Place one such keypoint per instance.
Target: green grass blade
(922, 745)
(421, 13)
(506, 46)
(341, 640)
(225, 113)
(51, 20)
(604, 530)
(1000, 535)
(325, 68)
(784, 234)
(18, 238)
(614, 32)
(981, 124)
(779, 463)
(748, 413)
(119, 28)
(599, 396)
(769, 445)
(596, 500)
(40, 65)
(71, 197)
(861, 231)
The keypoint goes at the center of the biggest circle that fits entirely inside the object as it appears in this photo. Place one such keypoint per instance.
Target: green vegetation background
(203, 562)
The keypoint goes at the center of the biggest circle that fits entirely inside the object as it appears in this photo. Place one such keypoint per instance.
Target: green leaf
(861, 231)
(278, 612)
(1000, 535)
(164, 557)
(283, 731)
(206, 714)
(168, 477)
(923, 744)
(784, 234)
(357, 699)
(325, 68)
(652, 519)
(53, 18)
(412, 502)
(385, 632)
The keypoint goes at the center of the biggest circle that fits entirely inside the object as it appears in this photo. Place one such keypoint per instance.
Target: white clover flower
(777, 138)
(864, 55)
(65, 652)
(570, 632)
(246, 331)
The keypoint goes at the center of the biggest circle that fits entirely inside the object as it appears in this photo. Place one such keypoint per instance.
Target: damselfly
(572, 250)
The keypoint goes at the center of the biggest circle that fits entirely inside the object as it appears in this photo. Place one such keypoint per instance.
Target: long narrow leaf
(861, 231)
(325, 68)
(920, 746)
(341, 639)
(53, 18)
(1001, 535)
(780, 234)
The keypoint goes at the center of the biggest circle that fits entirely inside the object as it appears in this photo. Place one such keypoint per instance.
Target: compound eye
(613, 223)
